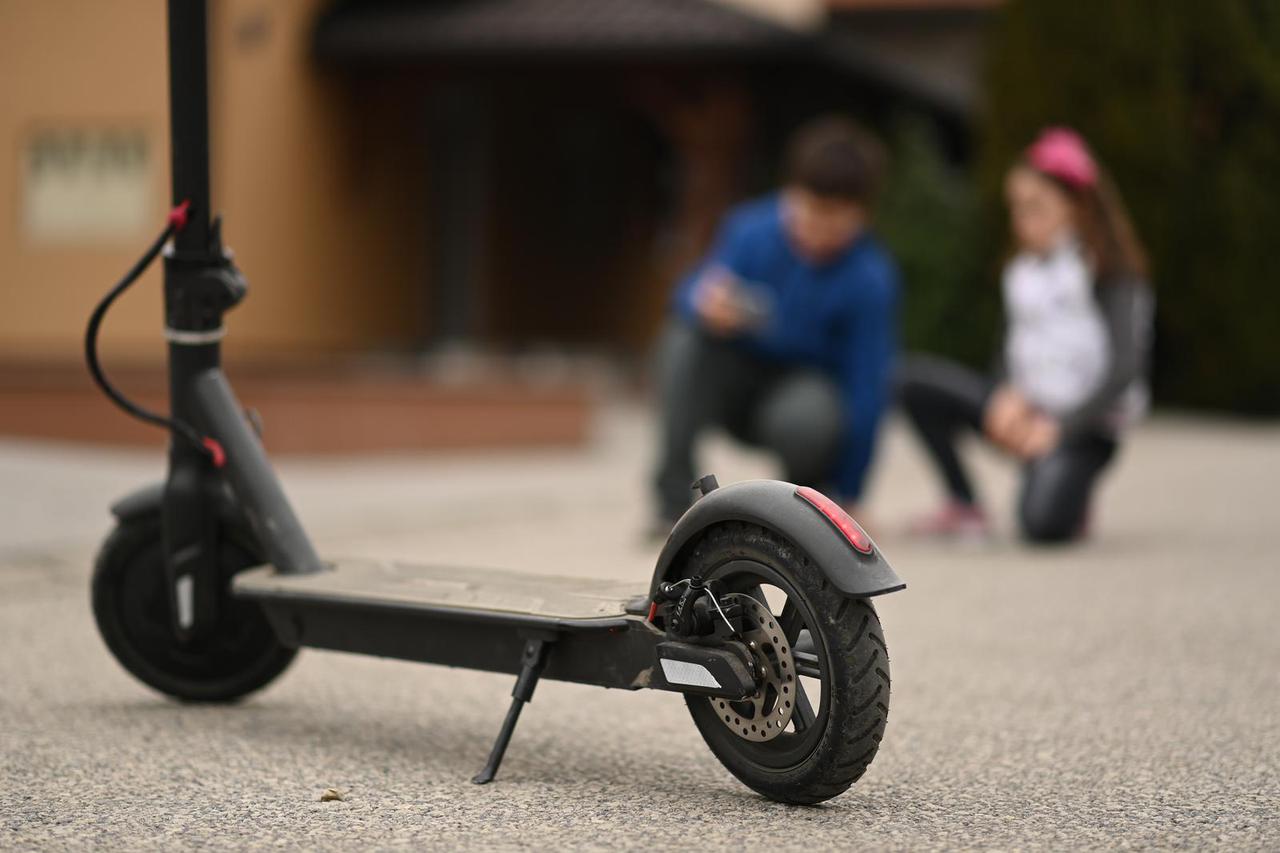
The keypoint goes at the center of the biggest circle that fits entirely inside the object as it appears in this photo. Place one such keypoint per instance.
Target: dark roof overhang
(528, 33)
(657, 31)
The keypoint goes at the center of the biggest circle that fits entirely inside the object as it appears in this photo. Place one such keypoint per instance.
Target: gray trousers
(705, 383)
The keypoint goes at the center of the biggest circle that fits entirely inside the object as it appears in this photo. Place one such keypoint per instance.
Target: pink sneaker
(953, 521)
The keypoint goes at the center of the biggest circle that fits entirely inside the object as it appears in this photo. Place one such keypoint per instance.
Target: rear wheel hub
(767, 713)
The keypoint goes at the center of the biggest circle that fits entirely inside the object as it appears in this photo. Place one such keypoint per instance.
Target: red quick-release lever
(178, 216)
(653, 611)
(216, 454)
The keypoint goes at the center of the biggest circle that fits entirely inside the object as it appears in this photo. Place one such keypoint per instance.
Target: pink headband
(1060, 153)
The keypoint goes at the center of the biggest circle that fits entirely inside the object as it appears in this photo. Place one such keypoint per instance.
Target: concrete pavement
(1122, 694)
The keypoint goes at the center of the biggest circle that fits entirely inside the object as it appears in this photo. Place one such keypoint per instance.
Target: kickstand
(532, 662)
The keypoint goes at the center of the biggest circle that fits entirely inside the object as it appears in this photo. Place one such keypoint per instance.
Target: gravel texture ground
(1121, 694)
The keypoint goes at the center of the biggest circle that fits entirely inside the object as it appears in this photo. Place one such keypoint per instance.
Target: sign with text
(87, 185)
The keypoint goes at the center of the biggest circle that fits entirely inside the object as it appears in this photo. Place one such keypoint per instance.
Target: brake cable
(175, 222)
(712, 596)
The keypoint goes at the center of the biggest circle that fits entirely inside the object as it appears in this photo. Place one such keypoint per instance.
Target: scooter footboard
(617, 653)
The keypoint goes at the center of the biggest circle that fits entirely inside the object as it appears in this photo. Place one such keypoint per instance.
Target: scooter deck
(448, 591)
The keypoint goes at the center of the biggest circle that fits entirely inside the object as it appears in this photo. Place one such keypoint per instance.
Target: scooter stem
(201, 283)
(189, 120)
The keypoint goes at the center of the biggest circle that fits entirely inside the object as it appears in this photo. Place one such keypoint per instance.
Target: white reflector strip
(185, 589)
(683, 672)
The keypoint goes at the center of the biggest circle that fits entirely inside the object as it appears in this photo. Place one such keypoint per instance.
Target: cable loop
(175, 222)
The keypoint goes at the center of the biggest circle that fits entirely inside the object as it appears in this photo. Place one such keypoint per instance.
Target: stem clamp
(187, 338)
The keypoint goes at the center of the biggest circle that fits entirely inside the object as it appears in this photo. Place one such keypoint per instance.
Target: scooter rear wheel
(842, 670)
(130, 604)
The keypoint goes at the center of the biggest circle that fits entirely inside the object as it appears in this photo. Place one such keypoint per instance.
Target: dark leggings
(942, 398)
(705, 382)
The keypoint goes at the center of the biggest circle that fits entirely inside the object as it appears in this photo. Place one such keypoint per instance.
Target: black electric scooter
(758, 610)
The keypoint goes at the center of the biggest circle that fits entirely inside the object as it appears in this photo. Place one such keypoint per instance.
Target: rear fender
(774, 505)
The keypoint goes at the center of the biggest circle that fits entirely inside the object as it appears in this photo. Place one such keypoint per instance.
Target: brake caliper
(730, 647)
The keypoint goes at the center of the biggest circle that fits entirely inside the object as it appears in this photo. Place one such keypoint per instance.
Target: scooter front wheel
(840, 684)
(130, 604)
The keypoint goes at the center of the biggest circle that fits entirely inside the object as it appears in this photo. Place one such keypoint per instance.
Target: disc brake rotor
(764, 715)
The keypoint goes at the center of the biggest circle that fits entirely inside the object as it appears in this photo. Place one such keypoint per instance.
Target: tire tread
(859, 708)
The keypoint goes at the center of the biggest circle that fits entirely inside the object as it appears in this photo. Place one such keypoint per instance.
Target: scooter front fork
(189, 523)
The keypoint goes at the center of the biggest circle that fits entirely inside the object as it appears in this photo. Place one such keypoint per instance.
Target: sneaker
(954, 521)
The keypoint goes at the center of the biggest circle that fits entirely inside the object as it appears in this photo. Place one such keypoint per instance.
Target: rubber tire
(856, 693)
(242, 639)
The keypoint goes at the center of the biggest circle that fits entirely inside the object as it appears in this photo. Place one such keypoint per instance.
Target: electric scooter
(758, 610)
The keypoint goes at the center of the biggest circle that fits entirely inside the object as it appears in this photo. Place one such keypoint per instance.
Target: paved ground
(1123, 694)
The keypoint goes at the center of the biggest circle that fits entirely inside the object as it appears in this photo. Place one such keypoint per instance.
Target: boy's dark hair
(834, 157)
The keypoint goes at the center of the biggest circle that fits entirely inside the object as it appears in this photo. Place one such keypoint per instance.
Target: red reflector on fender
(857, 537)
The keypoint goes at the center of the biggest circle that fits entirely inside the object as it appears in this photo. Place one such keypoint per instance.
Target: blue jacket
(839, 317)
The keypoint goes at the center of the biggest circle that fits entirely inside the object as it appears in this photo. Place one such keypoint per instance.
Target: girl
(1078, 331)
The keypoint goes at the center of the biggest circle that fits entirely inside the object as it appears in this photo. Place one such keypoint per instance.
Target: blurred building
(404, 176)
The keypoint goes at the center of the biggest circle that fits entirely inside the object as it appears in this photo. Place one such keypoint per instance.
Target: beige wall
(69, 64)
(317, 180)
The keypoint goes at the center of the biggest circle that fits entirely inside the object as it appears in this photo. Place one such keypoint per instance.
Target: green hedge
(1181, 100)
(931, 219)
